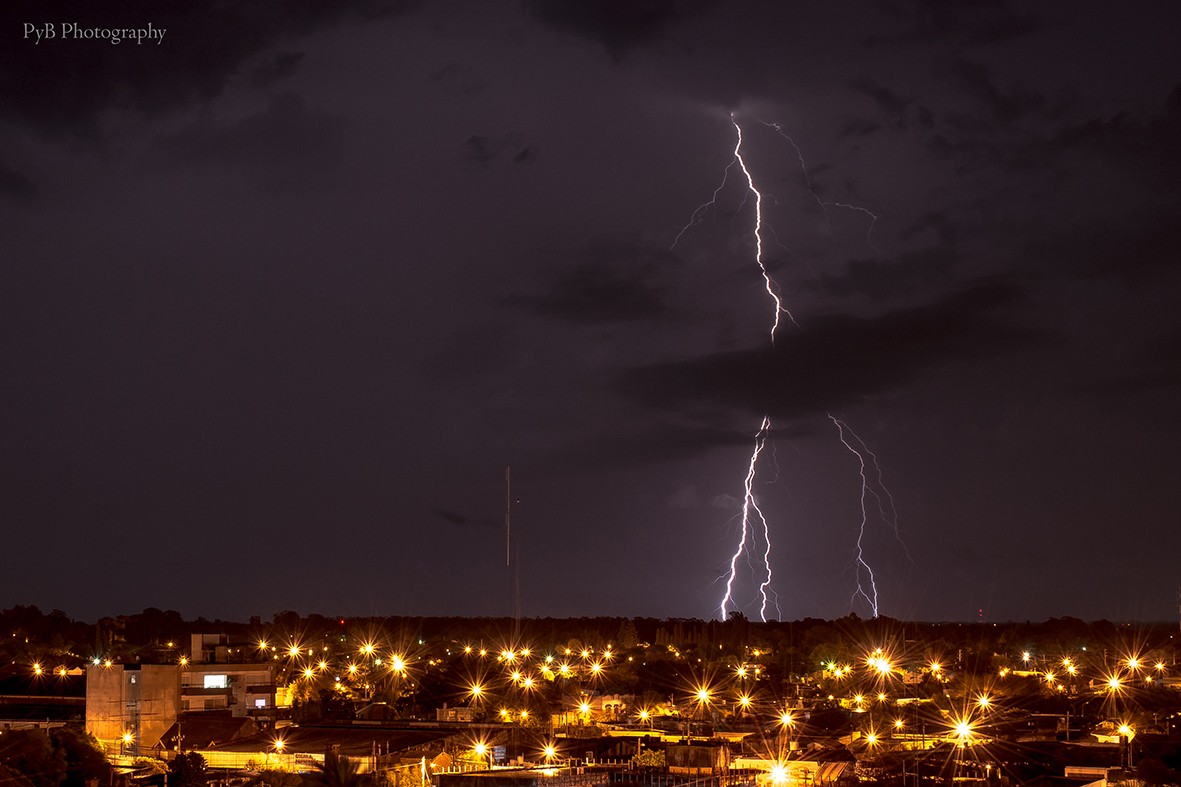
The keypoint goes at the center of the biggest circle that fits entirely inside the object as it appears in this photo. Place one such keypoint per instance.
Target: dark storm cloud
(464, 520)
(285, 132)
(483, 150)
(1139, 246)
(281, 66)
(459, 78)
(880, 279)
(859, 127)
(15, 185)
(1164, 355)
(944, 228)
(1004, 105)
(618, 26)
(1140, 233)
(898, 112)
(606, 282)
(976, 139)
(1150, 146)
(61, 87)
(835, 360)
(1158, 366)
(663, 441)
(904, 273)
(965, 21)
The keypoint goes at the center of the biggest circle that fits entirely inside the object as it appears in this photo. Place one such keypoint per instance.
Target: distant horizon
(269, 620)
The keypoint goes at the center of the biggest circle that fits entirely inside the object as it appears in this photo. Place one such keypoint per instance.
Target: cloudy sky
(286, 289)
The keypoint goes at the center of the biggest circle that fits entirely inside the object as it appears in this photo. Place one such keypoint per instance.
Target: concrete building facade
(129, 706)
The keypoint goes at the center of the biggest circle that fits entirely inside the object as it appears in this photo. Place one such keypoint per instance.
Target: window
(216, 682)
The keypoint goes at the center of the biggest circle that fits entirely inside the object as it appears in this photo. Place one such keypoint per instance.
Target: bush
(649, 758)
(187, 770)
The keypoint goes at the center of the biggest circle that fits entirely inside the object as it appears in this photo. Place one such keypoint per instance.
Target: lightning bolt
(696, 218)
(697, 214)
(750, 507)
(825, 204)
(750, 504)
(772, 288)
(870, 487)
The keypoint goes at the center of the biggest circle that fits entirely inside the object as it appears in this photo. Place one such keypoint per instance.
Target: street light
(482, 750)
(963, 731)
(1126, 733)
(785, 726)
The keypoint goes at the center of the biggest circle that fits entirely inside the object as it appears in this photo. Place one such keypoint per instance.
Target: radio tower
(509, 560)
(517, 579)
(508, 502)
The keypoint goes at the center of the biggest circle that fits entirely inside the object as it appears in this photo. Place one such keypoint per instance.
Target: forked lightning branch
(754, 540)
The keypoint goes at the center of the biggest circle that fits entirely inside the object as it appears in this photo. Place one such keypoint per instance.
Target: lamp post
(702, 702)
(785, 725)
(1126, 734)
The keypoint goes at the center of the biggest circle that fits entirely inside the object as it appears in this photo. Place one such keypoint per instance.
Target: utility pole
(517, 579)
(509, 559)
(508, 503)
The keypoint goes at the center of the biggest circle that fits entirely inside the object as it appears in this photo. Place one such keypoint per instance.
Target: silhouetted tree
(84, 760)
(336, 772)
(187, 770)
(11, 777)
(29, 752)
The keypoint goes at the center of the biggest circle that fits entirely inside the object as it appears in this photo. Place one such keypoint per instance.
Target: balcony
(199, 691)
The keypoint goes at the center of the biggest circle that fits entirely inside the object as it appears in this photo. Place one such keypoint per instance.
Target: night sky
(283, 294)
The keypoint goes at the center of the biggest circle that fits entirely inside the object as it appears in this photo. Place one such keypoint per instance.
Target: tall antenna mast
(517, 579)
(508, 531)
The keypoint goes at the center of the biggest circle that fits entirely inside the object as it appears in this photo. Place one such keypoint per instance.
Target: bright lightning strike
(772, 288)
(696, 218)
(749, 505)
(876, 488)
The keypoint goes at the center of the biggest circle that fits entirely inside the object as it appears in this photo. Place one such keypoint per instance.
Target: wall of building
(143, 700)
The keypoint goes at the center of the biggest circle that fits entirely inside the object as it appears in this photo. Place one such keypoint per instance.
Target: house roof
(204, 732)
(353, 741)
